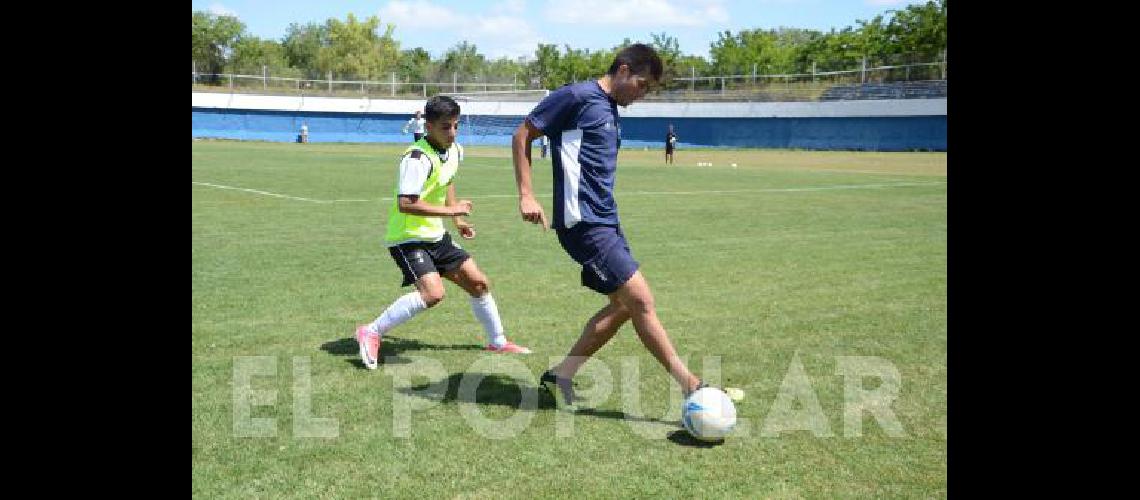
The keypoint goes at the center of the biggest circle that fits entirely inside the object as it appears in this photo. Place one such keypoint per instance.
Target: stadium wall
(876, 125)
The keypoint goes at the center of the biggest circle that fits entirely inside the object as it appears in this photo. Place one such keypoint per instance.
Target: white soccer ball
(709, 414)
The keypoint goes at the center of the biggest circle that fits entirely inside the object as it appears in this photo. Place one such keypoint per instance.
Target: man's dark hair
(640, 58)
(440, 106)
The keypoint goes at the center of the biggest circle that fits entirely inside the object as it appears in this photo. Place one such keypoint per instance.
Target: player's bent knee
(617, 307)
(432, 297)
(642, 305)
(480, 287)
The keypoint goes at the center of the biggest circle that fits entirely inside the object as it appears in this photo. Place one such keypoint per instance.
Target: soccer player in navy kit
(582, 123)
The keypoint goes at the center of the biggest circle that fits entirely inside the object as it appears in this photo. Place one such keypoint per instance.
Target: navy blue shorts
(603, 253)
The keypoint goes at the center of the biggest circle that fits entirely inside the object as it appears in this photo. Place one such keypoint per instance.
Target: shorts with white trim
(603, 252)
(417, 258)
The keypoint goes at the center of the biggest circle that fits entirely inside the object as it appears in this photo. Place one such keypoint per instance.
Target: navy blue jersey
(583, 126)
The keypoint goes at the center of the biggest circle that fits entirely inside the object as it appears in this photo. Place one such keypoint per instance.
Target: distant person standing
(670, 143)
(416, 123)
(304, 137)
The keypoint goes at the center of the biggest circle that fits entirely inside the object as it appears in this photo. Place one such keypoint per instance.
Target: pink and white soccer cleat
(369, 347)
(509, 347)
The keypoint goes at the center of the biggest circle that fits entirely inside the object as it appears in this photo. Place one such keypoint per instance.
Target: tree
(687, 64)
(301, 46)
(355, 50)
(600, 61)
(836, 50)
(464, 60)
(212, 40)
(250, 54)
(729, 53)
(879, 45)
(919, 31)
(415, 64)
(776, 51)
(669, 50)
(574, 65)
(505, 70)
(545, 66)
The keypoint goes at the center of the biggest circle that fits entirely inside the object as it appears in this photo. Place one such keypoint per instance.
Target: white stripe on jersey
(571, 176)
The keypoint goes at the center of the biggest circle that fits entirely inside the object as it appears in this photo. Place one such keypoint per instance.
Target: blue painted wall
(897, 133)
(893, 133)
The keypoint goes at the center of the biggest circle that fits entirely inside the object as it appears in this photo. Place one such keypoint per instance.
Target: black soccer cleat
(700, 385)
(561, 389)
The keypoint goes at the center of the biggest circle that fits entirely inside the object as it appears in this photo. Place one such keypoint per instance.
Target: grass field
(772, 273)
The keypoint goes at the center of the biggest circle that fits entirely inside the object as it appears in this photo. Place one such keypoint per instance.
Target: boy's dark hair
(440, 106)
(640, 58)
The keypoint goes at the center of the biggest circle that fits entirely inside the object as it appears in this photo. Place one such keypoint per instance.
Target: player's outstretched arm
(529, 207)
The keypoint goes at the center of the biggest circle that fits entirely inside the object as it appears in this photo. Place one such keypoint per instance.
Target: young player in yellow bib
(419, 244)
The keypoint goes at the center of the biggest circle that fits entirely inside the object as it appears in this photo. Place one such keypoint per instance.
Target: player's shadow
(390, 349)
(495, 389)
(683, 438)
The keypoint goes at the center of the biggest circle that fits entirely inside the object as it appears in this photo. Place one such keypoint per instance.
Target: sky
(513, 28)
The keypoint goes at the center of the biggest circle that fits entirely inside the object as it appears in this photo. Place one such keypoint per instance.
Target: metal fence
(208, 82)
(900, 81)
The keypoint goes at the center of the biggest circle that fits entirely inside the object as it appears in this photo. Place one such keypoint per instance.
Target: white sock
(488, 314)
(400, 311)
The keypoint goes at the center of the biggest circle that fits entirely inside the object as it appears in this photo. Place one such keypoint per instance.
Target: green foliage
(504, 69)
(575, 65)
(302, 44)
(670, 51)
(776, 51)
(415, 65)
(354, 49)
(250, 54)
(920, 30)
(546, 66)
(463, 59)
(213, 38)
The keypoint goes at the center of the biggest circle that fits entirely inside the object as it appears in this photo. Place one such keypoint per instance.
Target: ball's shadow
(683, 438)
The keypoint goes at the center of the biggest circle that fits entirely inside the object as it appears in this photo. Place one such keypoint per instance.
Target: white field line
(257, 191)
(628, 193)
